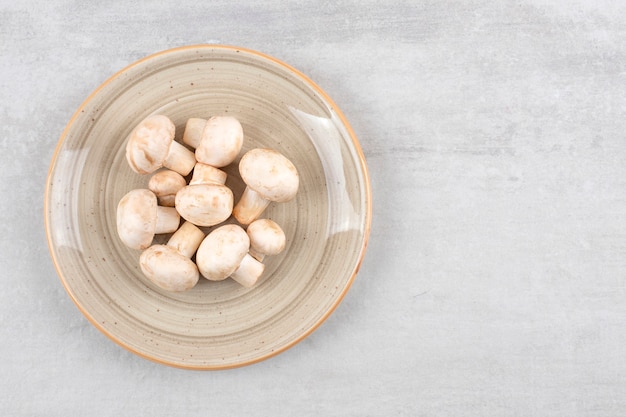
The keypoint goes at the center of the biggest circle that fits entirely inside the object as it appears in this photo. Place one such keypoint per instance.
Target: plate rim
(361, 161)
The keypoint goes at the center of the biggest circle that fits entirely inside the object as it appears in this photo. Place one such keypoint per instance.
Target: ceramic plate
(215, 325)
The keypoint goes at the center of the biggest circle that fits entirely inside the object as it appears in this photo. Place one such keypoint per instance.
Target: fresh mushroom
(139, 218)
(269, 176)
(151, 145)
(224, 253)
(165, 184)
(206, 201)
(266, 238)
(217, 141)
(170, 266)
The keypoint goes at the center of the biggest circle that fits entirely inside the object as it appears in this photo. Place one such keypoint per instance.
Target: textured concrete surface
(495, 279)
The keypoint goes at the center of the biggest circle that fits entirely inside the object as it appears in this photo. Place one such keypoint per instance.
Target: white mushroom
(165, 184)
(169, 266)
(266, 238)
(269, 176)
(224, 253)
(217, 141)
(139, 218)
(206, 201)
(151, 145)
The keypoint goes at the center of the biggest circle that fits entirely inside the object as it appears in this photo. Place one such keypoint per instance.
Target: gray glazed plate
(215, 325)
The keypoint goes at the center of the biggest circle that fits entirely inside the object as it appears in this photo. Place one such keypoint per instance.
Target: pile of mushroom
(234, 250)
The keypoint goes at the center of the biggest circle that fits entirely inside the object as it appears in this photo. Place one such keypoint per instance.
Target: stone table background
(495, 278)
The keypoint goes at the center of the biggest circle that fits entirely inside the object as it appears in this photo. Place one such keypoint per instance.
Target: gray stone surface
(495, 279)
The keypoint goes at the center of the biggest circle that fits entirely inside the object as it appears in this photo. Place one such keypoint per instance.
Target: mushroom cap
(165, 184)
(270, 174)
(204, 204)
(149, 143)
(222, 139)
(221, 252)
(168, 268)
(136, 218)
(266, 237)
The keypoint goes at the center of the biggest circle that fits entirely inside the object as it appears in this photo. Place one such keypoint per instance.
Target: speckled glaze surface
(215, 325)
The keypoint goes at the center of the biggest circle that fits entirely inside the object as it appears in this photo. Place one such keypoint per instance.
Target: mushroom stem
(250, 206)
(193, 131)
(187, 239)
(179, 159)
(167, 220)
(256, 255)
(206, 174)
(248, 272)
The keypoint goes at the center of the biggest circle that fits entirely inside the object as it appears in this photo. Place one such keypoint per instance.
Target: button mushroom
(206, 201)
(269, 176)
(139, 218)
(217, 141)
(151, 145)
(170, 266)
(224, 253)
(165, 184)
(266, 238)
